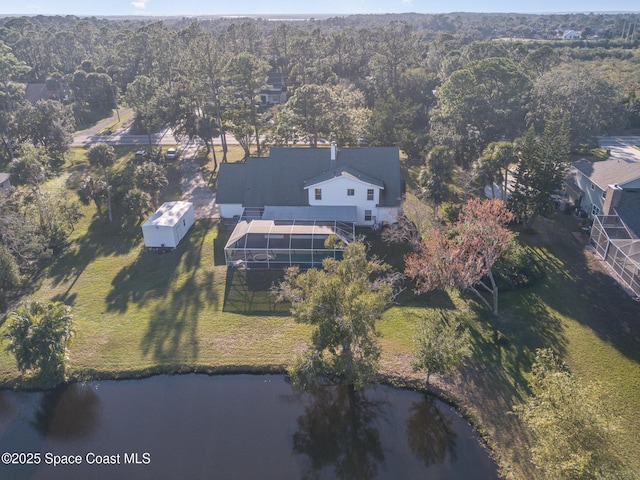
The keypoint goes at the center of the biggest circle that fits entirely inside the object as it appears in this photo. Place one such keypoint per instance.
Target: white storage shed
(168, 225)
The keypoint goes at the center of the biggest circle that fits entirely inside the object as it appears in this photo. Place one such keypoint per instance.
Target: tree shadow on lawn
(494, 394)
(172, 330)
(578, 288)
(172, 333)
(153, 275)
(101, 240)
(503, 348)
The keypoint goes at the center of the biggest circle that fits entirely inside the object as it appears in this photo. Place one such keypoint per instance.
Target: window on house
(595, 211)
(593, 187)
(367, 215)
(351, 192)
(318, 194)
(370, 194)
(604, 194)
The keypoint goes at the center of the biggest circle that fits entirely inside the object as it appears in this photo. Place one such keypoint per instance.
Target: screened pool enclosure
(617, 246)
(282, 243)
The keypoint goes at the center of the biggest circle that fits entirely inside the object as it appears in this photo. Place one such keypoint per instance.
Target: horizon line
(311, 14)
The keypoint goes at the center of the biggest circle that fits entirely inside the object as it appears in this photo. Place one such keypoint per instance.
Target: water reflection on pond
(240, 427)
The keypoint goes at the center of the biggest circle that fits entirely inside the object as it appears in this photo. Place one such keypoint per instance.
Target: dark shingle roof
(608, 172)
(280, 178)
(231, 180)
(629, 210)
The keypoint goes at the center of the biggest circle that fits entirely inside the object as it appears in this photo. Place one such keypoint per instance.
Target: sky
(339, 7)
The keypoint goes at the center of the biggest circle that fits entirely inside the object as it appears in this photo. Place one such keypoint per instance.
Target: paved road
(163, 138)
(621, 147)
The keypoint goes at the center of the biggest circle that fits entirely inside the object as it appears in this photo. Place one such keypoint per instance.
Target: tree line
(466, 106)
(412, 84)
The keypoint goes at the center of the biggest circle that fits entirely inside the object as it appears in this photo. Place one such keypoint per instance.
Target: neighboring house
(497, 190)
(291, 202)
(615, 234)
(274, 93)
(588, 181)
(4, 181)
(609, 193)
(571, 35)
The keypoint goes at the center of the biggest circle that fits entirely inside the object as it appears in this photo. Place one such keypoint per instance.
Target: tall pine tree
(542, 166)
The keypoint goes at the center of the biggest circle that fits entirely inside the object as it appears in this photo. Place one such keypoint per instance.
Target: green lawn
(577, 310)
(139, 312)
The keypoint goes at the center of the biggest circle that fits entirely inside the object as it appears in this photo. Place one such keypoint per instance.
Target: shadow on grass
(153, 275)
(172, 330)
(101, 240)
(434, 299)
(578, 289)
(224, 232)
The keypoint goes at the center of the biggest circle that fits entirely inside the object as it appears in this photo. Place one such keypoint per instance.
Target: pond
(232, 427)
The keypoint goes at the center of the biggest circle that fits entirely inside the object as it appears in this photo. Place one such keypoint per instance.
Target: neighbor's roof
(629, 210)
(168, 214)
(280, 178)
(4, 177)
(609, 172)
(275, 80)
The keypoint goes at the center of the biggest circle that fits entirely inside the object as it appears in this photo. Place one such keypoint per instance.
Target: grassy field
(139, 313)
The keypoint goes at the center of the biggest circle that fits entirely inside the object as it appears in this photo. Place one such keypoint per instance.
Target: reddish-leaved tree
(462, 256)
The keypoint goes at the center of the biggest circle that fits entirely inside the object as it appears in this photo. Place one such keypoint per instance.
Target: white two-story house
(360, 185)
(290, 203)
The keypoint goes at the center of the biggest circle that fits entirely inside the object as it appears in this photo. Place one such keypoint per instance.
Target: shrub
(517, 267)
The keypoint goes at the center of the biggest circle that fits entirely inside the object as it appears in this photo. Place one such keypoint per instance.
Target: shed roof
(4, 177)
(168, 214)
(609, 172)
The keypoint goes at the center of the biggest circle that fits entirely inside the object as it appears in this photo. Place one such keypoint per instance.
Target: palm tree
(151, 178)
(103, 155)
(493, 166)
(435, 176)
(38, 336)
(137, 203)
(93, 189)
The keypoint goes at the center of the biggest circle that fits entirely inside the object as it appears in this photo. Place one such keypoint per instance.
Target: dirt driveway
(193, 185)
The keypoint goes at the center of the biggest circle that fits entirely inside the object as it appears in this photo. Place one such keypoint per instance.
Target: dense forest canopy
(393, 79)
(417, 81)
(444, 88)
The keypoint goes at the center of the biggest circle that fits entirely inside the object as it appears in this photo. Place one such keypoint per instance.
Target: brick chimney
(611, 199)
